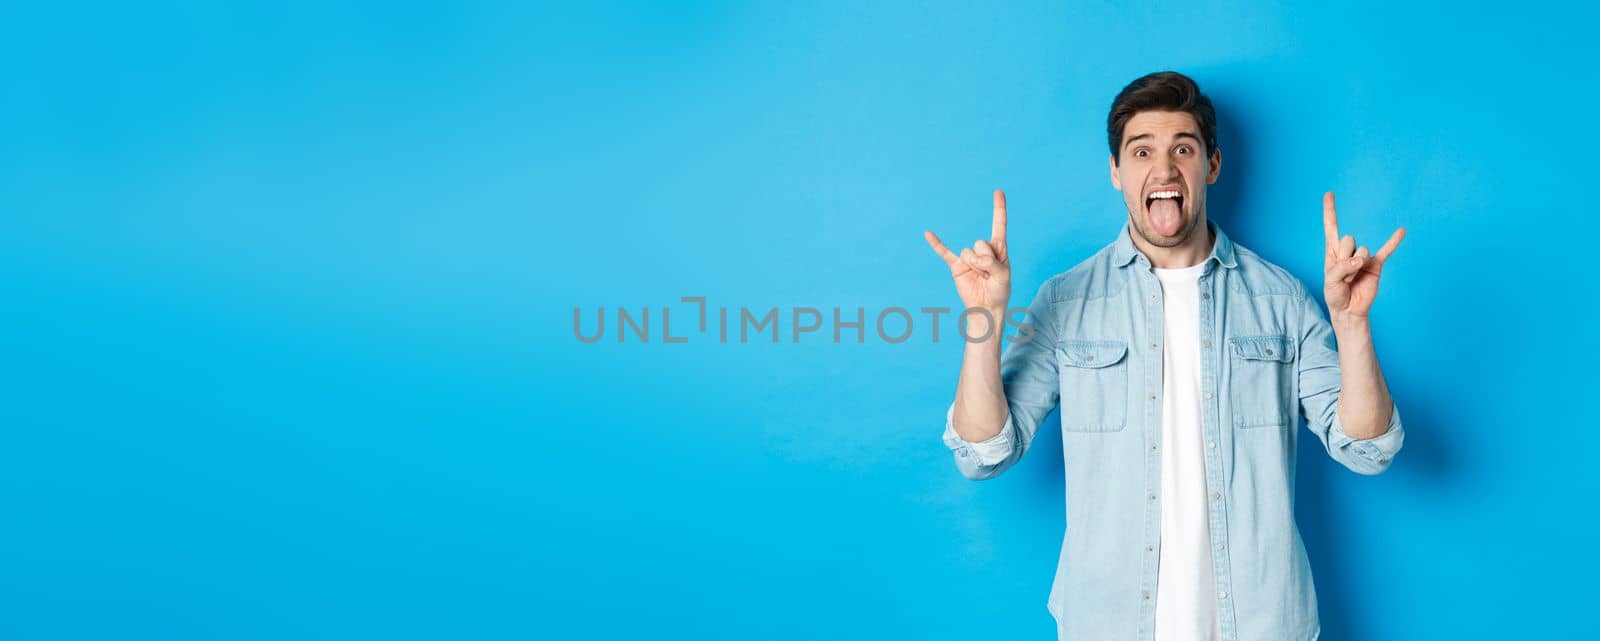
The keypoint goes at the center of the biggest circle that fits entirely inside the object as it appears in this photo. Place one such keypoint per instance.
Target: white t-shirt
(1186, 609)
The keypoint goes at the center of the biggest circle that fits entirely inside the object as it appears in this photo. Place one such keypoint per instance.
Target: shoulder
(1094, 277)
(1258, 276)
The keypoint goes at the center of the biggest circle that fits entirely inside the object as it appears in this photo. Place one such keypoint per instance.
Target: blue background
(289, 294)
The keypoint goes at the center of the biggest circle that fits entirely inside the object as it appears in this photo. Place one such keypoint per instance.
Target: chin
(1165, 241)
(1150, 235)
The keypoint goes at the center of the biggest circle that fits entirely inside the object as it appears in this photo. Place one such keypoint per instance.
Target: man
(1182, 364)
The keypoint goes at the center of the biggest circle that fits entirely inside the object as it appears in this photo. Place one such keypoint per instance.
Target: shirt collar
(1123, 250)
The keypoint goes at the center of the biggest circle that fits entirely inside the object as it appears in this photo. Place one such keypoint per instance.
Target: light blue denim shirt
(1268, 357)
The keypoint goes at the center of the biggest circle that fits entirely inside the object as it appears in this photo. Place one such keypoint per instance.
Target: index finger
(1330, 222)
(997, 232)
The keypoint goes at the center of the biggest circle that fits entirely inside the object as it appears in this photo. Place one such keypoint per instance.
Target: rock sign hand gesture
(982, 272)
(1350, 275)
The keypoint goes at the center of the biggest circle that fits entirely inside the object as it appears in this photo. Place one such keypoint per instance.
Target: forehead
(1162, 125)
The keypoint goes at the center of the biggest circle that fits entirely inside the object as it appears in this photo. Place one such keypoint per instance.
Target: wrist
(1349, 323)
(983, 326)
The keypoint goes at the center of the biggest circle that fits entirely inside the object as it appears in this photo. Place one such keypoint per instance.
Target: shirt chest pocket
(1094, 385)
(1262, 381)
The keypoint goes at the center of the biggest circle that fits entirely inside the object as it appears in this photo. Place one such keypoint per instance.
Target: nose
(1165, 168)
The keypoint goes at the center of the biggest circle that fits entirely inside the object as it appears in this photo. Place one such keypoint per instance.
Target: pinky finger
(939, 248)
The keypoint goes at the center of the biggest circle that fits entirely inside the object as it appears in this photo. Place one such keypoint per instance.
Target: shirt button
(1211, 444)
(1152, 447)
(1222, 595)
(1089, 357)
(1153, 297)
(1219, 546)
(1216, 496)
(1152, 346)
(1206, 343)
(1152, 497)
(1145, 596)
(1149, 548)
(1206, 296)
(1152, 396)
(1208, 395)
(1269, 351)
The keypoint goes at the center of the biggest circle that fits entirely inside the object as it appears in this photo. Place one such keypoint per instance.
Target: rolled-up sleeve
(1030, 381)
(1320, 385)
(1367, 456)
(981, 459)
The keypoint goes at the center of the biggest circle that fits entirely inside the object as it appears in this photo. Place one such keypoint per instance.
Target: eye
(1141, 152)
(1184, 149)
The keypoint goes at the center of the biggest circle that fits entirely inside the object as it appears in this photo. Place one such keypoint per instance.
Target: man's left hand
(1350, 274)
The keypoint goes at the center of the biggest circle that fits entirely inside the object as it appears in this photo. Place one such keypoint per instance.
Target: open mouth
(1164, 211)
(1170, 194)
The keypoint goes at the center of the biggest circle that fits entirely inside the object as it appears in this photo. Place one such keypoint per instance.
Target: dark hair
(1161, 91)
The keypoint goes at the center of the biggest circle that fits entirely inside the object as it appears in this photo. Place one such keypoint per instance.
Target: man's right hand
(982, 272)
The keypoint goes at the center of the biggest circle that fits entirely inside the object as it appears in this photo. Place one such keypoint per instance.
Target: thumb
(1343, 269)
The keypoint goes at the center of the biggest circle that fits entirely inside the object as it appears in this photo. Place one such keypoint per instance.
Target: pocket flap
(1263, 348)
(1078, 353)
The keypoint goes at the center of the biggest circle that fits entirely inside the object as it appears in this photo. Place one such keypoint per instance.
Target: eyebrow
(1182, 134)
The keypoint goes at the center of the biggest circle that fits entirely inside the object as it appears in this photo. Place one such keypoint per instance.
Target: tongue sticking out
(1165, 217)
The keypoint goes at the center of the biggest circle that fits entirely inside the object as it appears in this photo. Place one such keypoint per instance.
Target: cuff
(989, 452)
(1377, 451)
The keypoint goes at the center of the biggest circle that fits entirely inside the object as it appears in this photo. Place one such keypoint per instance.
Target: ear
(1115, 181)
(1216, 166)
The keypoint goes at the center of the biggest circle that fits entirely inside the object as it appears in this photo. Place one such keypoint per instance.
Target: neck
(1188, 254)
